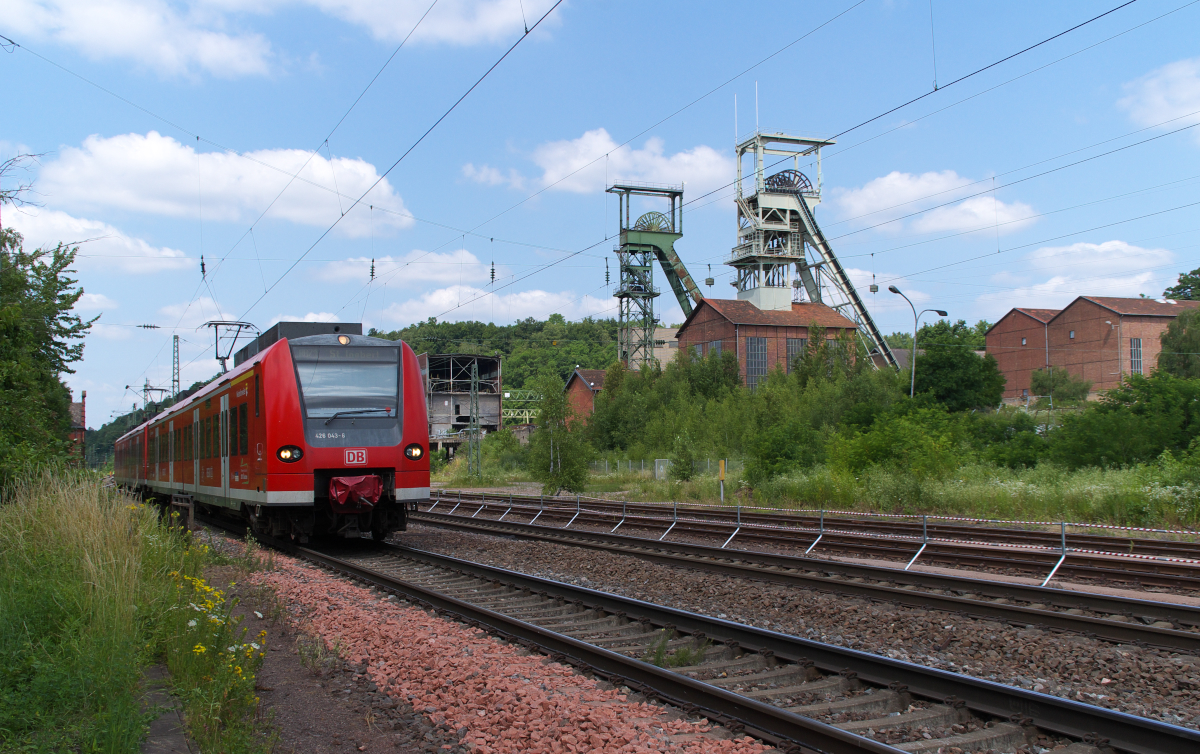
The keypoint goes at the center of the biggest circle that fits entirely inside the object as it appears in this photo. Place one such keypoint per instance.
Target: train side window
(233, 432)
(243, 430)
(207, 430)
(256, 395)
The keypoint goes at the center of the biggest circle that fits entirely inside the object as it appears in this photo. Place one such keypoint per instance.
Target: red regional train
(316, 431)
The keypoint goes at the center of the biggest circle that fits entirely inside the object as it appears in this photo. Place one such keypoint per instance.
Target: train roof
(248, 364)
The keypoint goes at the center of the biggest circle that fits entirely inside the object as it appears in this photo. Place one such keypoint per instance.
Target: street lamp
(912, 359)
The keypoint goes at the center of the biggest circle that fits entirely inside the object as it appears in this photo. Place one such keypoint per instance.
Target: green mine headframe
(651, 237)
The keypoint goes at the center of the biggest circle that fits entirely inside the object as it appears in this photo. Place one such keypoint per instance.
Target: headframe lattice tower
(651, 237)
(778, 232)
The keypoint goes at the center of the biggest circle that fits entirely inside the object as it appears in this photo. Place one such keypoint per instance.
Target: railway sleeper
(808, 676)
(934, 715)
(1001, 737)
(870, 701)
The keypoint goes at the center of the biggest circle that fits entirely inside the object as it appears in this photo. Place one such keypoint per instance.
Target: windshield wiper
(359, 411)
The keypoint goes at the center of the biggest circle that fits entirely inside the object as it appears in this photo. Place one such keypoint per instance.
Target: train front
(366, 437)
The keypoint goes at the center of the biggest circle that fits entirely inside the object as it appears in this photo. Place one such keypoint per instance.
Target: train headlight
(289, 454)
(344, 340)
(414, 452)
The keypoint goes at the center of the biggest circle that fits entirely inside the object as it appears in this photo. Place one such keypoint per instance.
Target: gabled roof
(1143, 307)
(745, 313)
(1041, 315)
(593, 379)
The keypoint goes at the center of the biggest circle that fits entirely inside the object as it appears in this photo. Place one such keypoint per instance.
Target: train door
(171, 452)
(223, 434)
(196, 450)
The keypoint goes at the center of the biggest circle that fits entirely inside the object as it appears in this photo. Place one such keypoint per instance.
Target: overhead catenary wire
(406, 153)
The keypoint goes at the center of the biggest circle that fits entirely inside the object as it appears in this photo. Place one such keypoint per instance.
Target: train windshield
(345, 378)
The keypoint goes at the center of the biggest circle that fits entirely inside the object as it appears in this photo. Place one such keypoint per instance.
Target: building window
(1135, 355)
(1022, 341)
(1071, 335)
(715, 347)
(1025, 392)
(796, 348)
(698, 350)
(756, 361)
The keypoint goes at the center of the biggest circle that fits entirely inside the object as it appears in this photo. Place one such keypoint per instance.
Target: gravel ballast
(483, 692)
(1142, 681)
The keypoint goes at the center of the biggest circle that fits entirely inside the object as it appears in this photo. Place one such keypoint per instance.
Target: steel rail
(1143, 572)
(1122, 731)
(812, 573)
(912, 529)
(755, 718)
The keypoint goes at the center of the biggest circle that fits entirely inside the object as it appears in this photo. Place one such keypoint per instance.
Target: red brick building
(78, 434)
(581, 389)
(762, 339)
(1020, 343)
(1097, 338)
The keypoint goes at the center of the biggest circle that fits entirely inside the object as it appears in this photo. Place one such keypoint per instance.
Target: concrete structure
(581, 388)
(761, 339)
(1097, 338)
(447, 378)
(665, 345)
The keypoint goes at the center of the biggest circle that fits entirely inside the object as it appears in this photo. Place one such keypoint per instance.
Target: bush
(1059, 384)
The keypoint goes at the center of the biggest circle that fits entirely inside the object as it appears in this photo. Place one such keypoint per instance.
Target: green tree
(951, 371)
(1180, 354)
(558, 453)
(39, 339)
(1059, 384)
(1186, 288)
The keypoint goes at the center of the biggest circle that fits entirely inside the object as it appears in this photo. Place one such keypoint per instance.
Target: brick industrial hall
(1096, 338)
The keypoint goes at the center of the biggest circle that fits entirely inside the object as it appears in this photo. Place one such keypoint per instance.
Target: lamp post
(912, 359)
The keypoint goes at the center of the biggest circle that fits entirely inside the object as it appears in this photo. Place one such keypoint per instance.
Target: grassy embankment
(94, 587)
(1148, 495)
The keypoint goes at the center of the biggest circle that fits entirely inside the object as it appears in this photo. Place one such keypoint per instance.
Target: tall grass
(1147, 495)
(91, 591)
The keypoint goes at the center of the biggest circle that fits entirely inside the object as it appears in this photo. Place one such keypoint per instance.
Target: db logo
(356, 457)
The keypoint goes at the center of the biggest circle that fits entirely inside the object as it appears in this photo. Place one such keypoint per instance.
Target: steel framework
(777, 231)
(652, 237)
(474, 433)
(520, 406)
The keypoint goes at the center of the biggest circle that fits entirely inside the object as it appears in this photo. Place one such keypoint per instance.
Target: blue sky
(942, 197)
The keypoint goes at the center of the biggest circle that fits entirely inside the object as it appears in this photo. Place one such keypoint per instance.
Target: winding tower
(651, 237)
(781, 254)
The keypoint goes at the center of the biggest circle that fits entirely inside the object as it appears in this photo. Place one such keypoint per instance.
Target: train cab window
(338, 379)
(233, 431)
(243, 430)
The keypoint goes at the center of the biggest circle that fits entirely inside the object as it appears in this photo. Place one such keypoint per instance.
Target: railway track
(799, 694)
(1123, 620)
(1131, 561)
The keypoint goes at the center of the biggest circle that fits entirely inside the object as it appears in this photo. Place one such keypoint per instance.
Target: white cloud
(490, 176)
(100, 243)
(894, 189)
(897, 194)
(94, 302)
(152, 33)
(193, 315)
(309, 317)
(500, 307)
(1112, 268)
(974, 213)
(459, 22)
(1165, 93)
(702, 168)
(156, 174)
(185, 38)
(416, 267)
